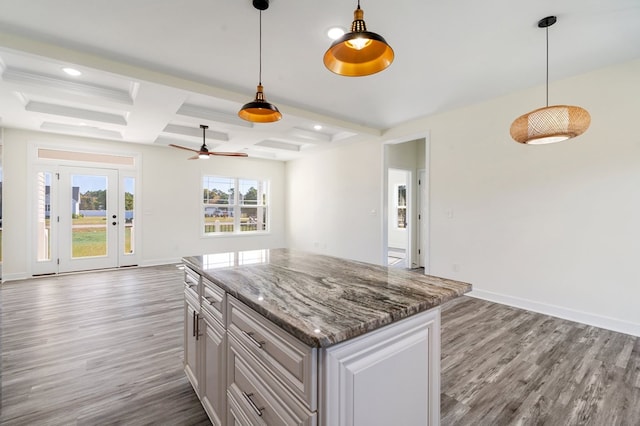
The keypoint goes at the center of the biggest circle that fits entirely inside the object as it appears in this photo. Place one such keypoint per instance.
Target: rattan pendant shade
(551, 123)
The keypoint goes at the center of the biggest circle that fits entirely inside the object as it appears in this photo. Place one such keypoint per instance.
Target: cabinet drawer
(191, 282)
(284, 356)
(258, 397)
(213, 299)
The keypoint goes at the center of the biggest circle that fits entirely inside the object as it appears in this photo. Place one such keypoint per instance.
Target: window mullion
(236, 207)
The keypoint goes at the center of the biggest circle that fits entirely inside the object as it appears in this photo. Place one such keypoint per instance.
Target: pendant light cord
(547, 28)
(260, 55)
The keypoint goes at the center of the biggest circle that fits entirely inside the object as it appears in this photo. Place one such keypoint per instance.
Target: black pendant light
(550, 124)
(359, 52)
(260, 111)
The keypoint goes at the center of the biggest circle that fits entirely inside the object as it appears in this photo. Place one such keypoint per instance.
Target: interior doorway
(405, 224)
(398, 215)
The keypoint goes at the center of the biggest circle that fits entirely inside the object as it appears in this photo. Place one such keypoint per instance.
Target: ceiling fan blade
(229, 154)
(183, 147)
(195, 157)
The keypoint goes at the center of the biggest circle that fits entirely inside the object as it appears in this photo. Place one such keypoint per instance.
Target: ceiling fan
(204, 152)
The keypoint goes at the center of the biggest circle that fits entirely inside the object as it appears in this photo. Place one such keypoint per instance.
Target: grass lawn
(89, 241)
(92, 241)
(89, 220)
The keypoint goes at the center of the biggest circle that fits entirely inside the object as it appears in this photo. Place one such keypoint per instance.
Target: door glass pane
(88, 216)
(43, 222)
(129, 223)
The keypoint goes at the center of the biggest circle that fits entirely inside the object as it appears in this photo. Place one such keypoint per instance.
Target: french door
(84, 219)
(88, 230)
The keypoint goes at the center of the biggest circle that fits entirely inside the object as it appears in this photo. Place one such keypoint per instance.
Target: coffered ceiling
(153, 70)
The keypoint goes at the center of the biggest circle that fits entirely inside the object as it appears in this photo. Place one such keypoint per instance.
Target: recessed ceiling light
(72, 72)
(335, 33)
(317, 127)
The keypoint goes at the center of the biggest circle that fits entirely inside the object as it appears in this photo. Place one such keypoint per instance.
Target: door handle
(253, 340)
(254, 406)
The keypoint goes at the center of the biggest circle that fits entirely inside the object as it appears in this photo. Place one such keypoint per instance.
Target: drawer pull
(253, 405)
(211, 300)
(253, 339)
(190, 284)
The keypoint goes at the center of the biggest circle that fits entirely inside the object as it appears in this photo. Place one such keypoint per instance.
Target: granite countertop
(324, 300)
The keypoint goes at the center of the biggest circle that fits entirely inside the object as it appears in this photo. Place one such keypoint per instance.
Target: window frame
(400, 204)
(264, 193)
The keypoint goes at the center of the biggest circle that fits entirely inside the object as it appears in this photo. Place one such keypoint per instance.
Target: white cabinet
(191, 322)
(283, 356)
(258, 395)
(213, 369)
(390, 376)
(205, 344)
(248, 371)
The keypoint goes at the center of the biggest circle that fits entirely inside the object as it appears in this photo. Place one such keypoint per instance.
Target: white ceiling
(153, 70)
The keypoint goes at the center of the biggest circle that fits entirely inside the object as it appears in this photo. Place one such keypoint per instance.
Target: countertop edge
(329, 340)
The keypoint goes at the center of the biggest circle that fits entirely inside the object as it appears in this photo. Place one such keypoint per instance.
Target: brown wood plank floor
(105, 348)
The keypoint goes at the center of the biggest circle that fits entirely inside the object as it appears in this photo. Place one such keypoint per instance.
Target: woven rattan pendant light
(260, 111)
(552, 123)
(359, 52)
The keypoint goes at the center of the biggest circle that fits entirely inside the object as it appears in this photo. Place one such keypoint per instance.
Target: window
(43, 182)
(233, 205)
(401, 206)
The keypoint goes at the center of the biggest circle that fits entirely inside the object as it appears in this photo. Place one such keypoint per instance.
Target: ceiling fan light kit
(259, 110)
(359, 52)
(204, 153)
(550, 124)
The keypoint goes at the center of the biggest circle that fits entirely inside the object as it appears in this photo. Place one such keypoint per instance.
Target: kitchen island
(287, 337)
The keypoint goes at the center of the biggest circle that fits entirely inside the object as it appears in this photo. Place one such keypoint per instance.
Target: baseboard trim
(608, 323)
(14, 277)
(158, 262)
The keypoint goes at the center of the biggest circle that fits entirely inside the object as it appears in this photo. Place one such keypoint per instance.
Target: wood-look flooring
(508, 366)
(101, 348)
(105, 348)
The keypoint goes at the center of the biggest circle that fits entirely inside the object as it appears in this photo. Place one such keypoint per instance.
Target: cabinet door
(390, 376)
(213, 379)
(191, 318)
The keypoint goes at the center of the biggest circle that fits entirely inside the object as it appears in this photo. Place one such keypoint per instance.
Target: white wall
(170, 197)
(554, 228)
(334, 202)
